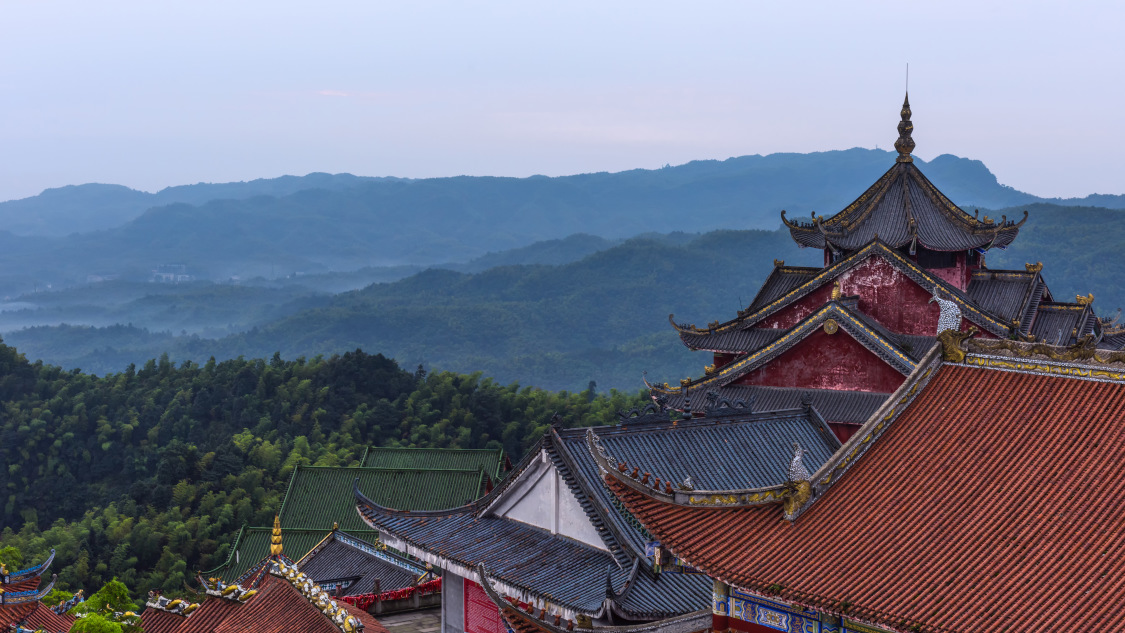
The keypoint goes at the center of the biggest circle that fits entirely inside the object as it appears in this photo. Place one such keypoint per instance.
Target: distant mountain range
(596, 311)
(321, 223)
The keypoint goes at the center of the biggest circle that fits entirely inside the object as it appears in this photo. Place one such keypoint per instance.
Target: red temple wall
(827, 361)
(885, 294)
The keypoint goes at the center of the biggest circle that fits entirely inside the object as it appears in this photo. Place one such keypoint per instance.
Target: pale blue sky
(157, 93)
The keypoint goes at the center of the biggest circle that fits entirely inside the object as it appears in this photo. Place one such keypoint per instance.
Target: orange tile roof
(277, 608)
(994, 502)
(280, 608)
(38, 616)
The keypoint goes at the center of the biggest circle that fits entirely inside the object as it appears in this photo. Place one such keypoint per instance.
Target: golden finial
(685, 382)
(275, 540)
(335, 525)
(1034, 268)
(987, 220)
(1085, 301)
(778, 263)
(709, 369)
(905, 143)
(836, 292)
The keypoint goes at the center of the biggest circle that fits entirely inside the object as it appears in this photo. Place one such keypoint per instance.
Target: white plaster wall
(572, 519)
(542, 498)
(452, 603)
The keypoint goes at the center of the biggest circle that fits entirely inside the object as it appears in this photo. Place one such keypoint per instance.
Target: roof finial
(275, 539)
(905, 144)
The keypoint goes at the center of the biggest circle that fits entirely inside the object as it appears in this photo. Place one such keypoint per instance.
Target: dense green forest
(146, 474)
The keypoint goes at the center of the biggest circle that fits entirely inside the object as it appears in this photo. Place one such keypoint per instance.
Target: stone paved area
(428, 621)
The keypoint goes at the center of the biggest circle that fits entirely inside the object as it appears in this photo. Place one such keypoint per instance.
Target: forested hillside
(602, 318)
(148, 473)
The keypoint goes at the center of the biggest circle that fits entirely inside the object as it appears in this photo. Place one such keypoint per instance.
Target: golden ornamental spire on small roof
(275, 539)
(905, 143)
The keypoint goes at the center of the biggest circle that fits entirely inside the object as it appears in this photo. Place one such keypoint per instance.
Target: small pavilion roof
(1062, 323)
(252, 544)
(982, 496)
(1011, 295)
(902, 207)
(363, 566)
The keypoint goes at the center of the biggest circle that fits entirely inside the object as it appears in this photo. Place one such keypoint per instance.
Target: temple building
(846, 335)
(552, 539)
(982, 496)
(274, 596)
(332, 544)
(21, 595)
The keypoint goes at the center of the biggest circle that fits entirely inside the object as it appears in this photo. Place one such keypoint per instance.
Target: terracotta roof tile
(994, 502)
(38, 616)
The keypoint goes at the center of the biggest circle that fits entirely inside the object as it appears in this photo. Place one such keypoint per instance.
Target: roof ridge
(856, 327)
(875, 247)
(393, 469)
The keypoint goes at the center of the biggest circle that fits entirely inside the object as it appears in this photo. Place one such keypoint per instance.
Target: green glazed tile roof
(490, 461)
(253, 544)
(321, 496)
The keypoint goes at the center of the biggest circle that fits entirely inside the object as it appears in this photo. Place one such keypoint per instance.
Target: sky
(154, 94)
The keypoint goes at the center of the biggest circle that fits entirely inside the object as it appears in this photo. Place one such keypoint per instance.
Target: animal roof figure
(950, 318)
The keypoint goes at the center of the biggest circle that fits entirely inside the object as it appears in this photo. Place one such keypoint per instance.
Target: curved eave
(31, 572)
(423, 551)
(846, 230)
(33, 595)
(870, 338)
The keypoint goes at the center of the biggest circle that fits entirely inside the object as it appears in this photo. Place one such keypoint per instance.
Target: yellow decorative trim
(1046, 368)
(951, 344)
(1084, 350)
(772, 495)
(275, 538)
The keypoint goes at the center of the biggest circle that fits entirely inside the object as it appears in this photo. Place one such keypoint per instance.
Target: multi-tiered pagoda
(846, 335)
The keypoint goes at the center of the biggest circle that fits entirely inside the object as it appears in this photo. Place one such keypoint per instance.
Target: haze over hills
(599, 316)
(588, 301)
(322, 223)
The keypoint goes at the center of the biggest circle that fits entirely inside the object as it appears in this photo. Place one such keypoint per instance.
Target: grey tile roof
(1057, 322)
(848, 407)
(781, 280)
(337, 559)
(733, 446)
(1004, 293)
(901, 206)
(740, 341)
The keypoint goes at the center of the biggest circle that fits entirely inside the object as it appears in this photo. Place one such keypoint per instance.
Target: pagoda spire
(275, 538)
(905, 144)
